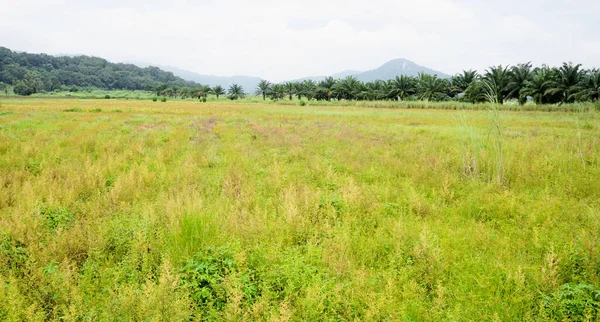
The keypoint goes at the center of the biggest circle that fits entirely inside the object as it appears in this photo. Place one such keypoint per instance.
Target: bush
(107, 97)
(74, 89)
(163, 99)
(154, 99)
(302, 103)
(573, 302)
(73, 109)
(97, 110)
(203, 99)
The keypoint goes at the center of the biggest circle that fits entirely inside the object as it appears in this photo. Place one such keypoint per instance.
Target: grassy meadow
(126, 210)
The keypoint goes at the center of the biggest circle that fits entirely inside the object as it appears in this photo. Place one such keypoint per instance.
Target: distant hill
(37, 72)
(389, 70)
(249, 83)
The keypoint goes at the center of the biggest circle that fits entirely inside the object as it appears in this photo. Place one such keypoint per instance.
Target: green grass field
(133, 210)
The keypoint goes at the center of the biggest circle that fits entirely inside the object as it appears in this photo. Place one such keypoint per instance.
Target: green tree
(31, 84)
(218, 90)
(402, 87)
(289, 89)
(347, 88)
(309, 88)
(235, 92)
(431, 88)
(263, 88)
(591, 87)
(538, 86)
(568, 83)
(496, 83)
(518, 77)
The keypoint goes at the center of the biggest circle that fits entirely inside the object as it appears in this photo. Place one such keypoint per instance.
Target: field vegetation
(182, 210)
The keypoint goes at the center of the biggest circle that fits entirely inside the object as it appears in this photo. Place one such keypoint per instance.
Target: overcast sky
(279, 40)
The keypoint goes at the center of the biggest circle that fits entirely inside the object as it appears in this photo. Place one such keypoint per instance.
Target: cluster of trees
(544, 85)
(234, 92)
(33, 73)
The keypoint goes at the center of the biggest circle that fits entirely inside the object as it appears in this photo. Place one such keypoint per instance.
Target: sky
(282, 40)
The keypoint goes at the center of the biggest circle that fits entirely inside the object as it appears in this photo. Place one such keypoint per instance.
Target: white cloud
(280, 40)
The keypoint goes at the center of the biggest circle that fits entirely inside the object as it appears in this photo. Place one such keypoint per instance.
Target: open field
(133, 210)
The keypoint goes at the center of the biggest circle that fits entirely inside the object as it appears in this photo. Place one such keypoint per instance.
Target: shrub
(56, 217)
(96, 110)
(203, 99)
(302, 103)
(154, 99)
(203, 275)
(107, 97)
(74, 89)
(163, 99)
(573, 302)
(73, 109)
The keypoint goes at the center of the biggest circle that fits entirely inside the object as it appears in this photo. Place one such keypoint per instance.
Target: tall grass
(229, 211)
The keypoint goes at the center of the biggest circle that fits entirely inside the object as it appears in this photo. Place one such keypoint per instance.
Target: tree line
(544, 85)
(34, 73)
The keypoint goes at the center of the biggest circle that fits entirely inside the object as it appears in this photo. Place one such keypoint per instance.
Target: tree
(289, 89)
(537, 87)
(591, 87)
(218, 90)
(568, 83)
(475, 92)
(277, 92)
(235, 92)
(431, 88)
(402, 87)
(309, 89)
(496, 80)
(31, 84)
(160, 89)
(461, 82)
(263, 88)
(347, 88)
(325, 89)
(518, 76)
(298, 90)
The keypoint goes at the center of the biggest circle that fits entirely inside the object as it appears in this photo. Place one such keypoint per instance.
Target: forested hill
(39, 72)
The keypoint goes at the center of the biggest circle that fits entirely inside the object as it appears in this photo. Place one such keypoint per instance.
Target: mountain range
(389, 70)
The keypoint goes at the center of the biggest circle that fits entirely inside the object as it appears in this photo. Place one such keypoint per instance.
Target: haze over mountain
(249, 83)
(389, 70)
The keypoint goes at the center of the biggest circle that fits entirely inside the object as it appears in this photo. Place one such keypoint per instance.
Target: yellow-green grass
(134, 210)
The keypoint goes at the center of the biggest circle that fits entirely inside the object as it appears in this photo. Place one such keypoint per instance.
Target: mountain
(32, 73)
(249, 83)
(389, 70)
(395, 68)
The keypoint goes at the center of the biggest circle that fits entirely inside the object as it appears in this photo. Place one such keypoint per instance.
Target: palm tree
(347, 88)
(402, 87)
(537, 87)
(263, 88)
(461, 82)
(495, 81)
(204, 90)
(325, 89)
(591, 86)
(277, 91)
(475, 92)
(518, 76)
(218, 90)
(309, 89)
(568, 83)
(289, 89)
(298, 90)
(236, 92)
(431, 88)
